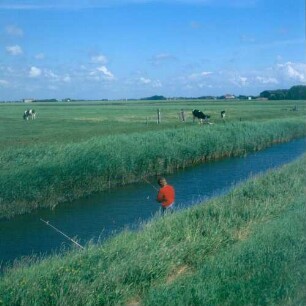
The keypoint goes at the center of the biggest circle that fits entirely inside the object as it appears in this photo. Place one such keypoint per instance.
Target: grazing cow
(29, 114)
(222, 114)
(200, 115)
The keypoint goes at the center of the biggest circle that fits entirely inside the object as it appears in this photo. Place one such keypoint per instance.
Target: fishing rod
(49, 224)
(150, 183)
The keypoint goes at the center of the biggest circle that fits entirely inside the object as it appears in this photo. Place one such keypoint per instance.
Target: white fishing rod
(48, 223)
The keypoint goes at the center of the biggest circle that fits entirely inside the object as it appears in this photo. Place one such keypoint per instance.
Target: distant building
(27, 100)
(229, 97)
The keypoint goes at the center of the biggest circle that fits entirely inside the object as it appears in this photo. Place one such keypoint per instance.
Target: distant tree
(242, 97)
(45, 100)
(279, 94)
(155, 98)
(206, 98)
(297, 92)
(265, 94)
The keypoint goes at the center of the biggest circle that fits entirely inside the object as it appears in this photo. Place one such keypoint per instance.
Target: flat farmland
(79, 121)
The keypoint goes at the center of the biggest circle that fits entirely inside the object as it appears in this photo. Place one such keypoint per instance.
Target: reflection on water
(100, 215)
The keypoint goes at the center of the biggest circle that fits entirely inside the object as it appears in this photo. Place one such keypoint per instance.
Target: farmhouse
(228, 96)
(27, 100)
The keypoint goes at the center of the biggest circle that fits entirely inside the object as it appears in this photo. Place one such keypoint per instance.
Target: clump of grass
(247, 247)
(43, 176)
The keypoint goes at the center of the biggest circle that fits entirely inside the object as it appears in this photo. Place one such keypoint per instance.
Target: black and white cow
(29, 114)
(222, 114)
(200, 115)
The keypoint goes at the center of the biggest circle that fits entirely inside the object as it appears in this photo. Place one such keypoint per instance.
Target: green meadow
(74, 149)
(244, 248)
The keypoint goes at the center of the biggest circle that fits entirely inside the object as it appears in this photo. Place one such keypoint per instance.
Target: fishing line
(150, 183)
(48, 223)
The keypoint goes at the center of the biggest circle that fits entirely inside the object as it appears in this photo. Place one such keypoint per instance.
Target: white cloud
(101, 59)
(4, 83)
(199, 75)
(243, 80)
(14, 50)
(67, 78)
(266, 80)
(34, 72)
(294, 71)
(152, 83)
(239, 80)
(101, 73)
(144, 80)
(50, 74)
(205, 73)
(105, 73)
(14, 30)
(282, 74)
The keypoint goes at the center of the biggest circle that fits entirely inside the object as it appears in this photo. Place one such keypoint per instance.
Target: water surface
(100, 215)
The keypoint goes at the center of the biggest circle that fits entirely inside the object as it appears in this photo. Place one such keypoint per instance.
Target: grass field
(74, 149)
(79, 121)
(245, 248)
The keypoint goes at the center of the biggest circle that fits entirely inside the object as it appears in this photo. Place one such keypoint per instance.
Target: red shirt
(166, 195)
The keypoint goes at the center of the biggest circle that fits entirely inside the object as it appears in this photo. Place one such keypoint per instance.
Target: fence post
(182, 115)
(158, 116)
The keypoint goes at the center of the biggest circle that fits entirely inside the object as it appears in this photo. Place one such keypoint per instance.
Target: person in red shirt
(166, 195)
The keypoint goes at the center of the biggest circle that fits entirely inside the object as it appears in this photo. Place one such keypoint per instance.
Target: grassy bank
(43, 176)
(245, 248)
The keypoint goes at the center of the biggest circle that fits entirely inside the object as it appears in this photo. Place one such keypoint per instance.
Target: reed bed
(244, 248)
(43, 176)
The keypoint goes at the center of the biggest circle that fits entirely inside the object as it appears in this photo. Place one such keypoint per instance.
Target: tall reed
(43, 176)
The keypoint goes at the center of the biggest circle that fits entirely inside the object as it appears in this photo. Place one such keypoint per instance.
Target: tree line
(297, 92)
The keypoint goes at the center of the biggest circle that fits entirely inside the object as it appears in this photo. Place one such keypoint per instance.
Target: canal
(101, 215)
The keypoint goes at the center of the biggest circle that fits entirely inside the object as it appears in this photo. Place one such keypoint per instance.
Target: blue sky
(97, 49)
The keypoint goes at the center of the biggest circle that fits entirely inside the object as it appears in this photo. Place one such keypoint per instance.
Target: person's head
(162, 182)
